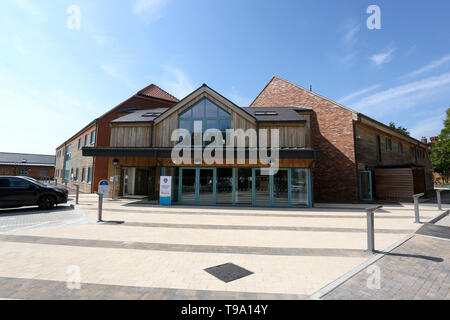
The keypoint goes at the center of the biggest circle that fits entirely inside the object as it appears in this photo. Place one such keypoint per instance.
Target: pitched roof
(141, 116)
(154, 91)
(7, 158)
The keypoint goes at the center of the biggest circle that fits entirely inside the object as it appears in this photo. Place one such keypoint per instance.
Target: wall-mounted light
(115, 162)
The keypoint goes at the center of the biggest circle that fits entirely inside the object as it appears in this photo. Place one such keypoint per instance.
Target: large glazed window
(206, 114)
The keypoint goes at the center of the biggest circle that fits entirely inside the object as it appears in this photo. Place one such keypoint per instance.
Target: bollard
(371, 228)
(416, 206)
(77, 187)
(438, 195)
(100, 205)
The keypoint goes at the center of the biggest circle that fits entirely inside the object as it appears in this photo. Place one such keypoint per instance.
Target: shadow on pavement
(33, 210)
(418, 256)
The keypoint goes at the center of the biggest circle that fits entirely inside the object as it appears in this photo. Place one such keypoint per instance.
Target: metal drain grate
(228, 272)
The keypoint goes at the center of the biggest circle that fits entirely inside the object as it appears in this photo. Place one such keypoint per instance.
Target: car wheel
(46, 202)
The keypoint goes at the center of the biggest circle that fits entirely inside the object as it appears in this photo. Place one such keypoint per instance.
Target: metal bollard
(439, 202)
(416, 206)
(100, 205)
(371, 228)
(77, 187)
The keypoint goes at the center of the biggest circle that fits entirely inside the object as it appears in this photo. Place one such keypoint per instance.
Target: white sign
(103, 188)
(165, 190)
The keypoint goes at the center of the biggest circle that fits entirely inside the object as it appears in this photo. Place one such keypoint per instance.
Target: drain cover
(228, 272)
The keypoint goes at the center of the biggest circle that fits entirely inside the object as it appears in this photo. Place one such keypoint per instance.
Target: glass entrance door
(206, 192)
(365, 178)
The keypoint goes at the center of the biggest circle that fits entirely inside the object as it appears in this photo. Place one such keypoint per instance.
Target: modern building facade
(75, 169)
(37, 166)
(326, 151)
(142, 143)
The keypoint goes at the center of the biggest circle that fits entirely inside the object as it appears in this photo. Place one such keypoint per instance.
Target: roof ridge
(169, 96)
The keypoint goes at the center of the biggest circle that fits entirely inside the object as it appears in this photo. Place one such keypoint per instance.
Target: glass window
(79, 144)
(400, 148)
(188, 185)
(224, 185)
(89, 175)
(83, 174)
(86, 140)
(207, 114)
(243, 186)
(198, 111)
(299, 186)
(19, 183)
(262, 187)
(388, 144)
(76, 174)
(281, 187)
(23, 172)
(4, 183)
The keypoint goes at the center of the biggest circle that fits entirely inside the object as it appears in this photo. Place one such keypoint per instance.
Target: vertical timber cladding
(395, 184)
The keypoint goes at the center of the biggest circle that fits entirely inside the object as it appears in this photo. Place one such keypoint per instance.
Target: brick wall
(334, 175)
(33, 172)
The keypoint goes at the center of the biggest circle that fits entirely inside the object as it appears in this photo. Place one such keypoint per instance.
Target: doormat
(228, 272)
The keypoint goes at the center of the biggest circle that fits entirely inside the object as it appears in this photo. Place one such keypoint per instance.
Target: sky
(65, 63)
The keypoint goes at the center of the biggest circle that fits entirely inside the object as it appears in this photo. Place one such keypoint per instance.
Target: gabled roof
(7, 158)
(154, 91)
(205, 91)
(147, 115)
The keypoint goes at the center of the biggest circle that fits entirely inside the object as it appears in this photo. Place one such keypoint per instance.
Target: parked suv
(24, 191)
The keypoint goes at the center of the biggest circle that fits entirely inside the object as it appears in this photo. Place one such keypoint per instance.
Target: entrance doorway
(197, 185)
(135, 181)
(365, 185)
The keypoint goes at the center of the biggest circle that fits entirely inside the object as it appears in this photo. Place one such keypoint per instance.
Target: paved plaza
(162, 252)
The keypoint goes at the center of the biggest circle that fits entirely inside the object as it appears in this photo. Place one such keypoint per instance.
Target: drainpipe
(355, 146)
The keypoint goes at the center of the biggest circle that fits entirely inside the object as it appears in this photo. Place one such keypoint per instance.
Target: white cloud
(149, 10)
(405, 96)
(432, 65)
(356, 94)
(383, 57)
(176, 82)
(428, 127)
(349, 40)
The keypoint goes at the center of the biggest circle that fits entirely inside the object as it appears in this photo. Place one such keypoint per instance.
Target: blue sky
(54, 80)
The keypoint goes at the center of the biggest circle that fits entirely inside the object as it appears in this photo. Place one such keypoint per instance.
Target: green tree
(440, 151)
(400, 129)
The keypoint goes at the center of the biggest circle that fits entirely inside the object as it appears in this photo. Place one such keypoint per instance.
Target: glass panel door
(299, 186)
(281, 187)
(243, 186)
(188, 185)
(206, 185)
(365, 179)
(224, 185)
(262, 188)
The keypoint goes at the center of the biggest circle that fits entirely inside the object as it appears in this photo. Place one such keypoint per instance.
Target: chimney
(424, 140)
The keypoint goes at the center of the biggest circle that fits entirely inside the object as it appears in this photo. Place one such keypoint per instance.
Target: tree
(440, 151)
(400, 129)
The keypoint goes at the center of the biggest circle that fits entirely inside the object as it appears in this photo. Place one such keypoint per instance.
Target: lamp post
(115, 163)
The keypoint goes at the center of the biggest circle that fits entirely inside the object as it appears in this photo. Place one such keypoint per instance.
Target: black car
(24, 191)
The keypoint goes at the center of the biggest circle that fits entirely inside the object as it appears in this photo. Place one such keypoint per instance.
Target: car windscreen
(36, 182)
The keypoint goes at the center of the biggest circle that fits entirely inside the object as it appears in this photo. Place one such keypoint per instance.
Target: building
(72, 168)
(141, 147)
(361, 158)
(327, 152)
(38, 166)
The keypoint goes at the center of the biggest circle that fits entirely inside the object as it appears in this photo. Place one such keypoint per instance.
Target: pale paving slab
(253, 238)
(280, 274)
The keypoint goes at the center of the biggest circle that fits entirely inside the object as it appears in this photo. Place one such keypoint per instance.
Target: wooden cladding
(135, 135)
(398, 184)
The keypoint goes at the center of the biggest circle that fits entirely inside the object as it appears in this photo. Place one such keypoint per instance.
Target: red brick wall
(334, 175)
(104, 131)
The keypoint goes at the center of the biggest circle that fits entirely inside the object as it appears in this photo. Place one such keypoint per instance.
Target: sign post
(165, 191)
(103, 188)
